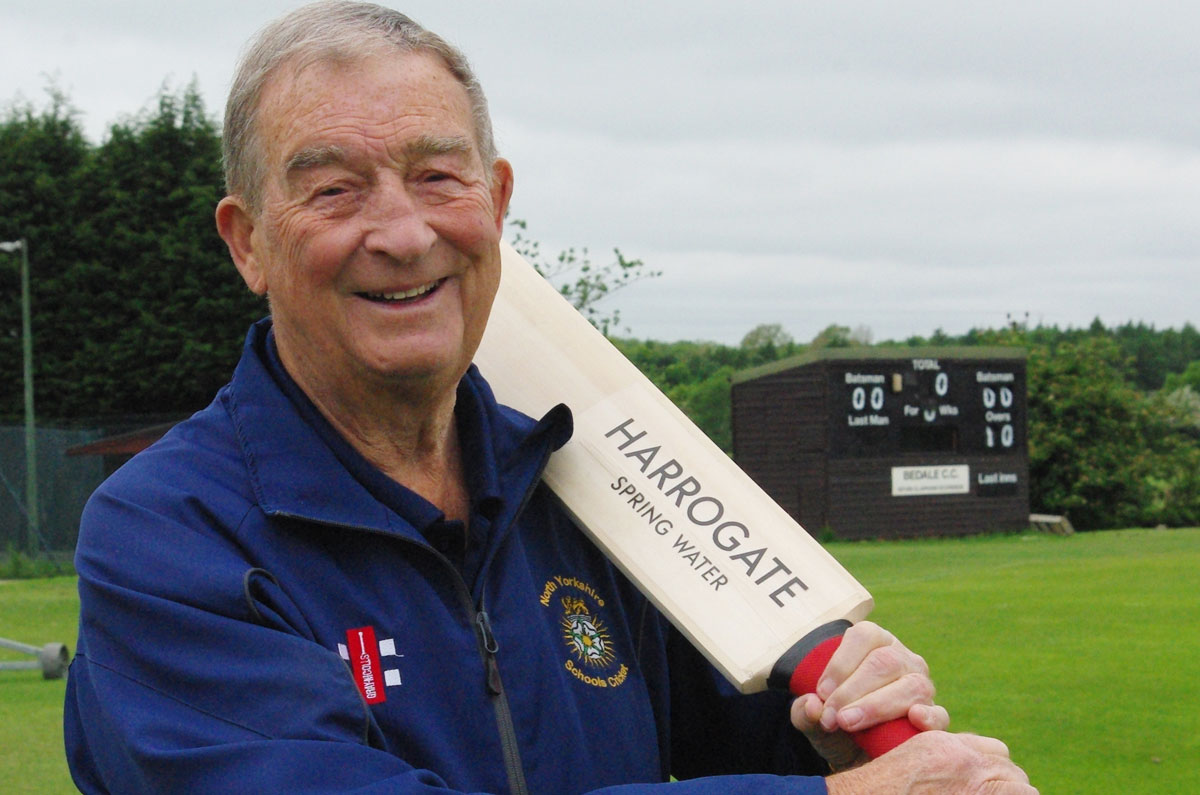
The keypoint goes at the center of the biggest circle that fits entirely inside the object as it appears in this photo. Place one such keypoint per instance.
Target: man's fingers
(858, 641)
(1007, 788)
(806, 712)
(868, 658)
(938, 762)
(837, 749)
(868, 698)
(985, 745)
(1006, 776)
(929, 718)
(1008, 779)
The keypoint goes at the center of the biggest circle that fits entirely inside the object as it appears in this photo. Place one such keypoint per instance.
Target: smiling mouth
(404, 295)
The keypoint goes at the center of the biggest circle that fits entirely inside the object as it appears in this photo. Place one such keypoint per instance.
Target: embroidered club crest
(585, 634)
(591, 655)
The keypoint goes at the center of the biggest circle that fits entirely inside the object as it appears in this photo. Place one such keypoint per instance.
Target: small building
(889, 442)
(118, 448)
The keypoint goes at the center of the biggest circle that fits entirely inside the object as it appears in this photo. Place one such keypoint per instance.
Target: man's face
(377, 237)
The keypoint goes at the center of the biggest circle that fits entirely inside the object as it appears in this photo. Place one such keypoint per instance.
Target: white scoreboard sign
(930, 480)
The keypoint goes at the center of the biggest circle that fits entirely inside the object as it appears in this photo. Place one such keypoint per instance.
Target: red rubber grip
(877, 740)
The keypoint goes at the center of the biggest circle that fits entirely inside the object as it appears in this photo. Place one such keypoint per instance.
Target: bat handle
(800, 669)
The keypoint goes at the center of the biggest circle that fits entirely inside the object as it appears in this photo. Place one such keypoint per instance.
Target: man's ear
(235, 224)
(502, 188)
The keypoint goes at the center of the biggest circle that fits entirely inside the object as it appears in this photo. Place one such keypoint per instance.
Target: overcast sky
(902, 166)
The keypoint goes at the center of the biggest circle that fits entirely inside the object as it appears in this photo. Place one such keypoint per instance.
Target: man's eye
(332, 190)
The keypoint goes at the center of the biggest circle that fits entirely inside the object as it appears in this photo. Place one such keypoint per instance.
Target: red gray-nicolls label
(364, 662)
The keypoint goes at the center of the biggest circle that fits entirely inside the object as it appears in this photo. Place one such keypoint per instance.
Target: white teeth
(413, 293)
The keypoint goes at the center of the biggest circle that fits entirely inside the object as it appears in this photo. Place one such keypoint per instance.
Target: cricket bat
(746, 584)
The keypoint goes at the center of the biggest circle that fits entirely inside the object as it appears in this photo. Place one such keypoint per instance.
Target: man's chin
(421, 365)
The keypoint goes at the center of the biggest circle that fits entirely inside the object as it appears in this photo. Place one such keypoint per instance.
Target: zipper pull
(485, 632)
(491, 646)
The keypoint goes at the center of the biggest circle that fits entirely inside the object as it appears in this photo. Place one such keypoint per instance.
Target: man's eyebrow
(433, 145)
(420, 147)
(314, 157)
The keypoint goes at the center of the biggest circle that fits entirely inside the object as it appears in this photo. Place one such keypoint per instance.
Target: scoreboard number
(998, 398)
(858, 398)
(927, 405)
(1006, 435)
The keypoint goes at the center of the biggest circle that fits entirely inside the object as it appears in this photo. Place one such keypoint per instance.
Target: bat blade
(730, 568)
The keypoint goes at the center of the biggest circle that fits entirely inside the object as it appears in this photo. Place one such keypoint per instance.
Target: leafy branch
(581, 281)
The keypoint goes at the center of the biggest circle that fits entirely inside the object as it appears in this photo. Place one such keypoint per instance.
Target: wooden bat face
(730, 568)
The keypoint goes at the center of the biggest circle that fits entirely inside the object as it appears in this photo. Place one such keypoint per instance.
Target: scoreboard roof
(879, 353)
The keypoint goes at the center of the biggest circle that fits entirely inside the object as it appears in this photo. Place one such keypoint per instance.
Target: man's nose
(397, 224)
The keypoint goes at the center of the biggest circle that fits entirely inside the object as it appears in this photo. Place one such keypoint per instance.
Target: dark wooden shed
(889, 442)
(118, 448)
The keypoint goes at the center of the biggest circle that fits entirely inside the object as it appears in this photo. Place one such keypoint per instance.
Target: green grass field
(1082, 653)
(31, 754)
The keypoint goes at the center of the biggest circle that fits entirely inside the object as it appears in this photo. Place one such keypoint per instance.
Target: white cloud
(900, 165)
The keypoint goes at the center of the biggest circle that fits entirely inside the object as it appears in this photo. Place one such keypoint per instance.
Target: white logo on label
(387, 648)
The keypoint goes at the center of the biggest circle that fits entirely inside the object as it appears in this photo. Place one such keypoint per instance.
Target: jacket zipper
(504, 722)
(489, 647)
(485, 638)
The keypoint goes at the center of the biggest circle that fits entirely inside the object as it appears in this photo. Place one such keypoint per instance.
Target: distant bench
(1050, 523)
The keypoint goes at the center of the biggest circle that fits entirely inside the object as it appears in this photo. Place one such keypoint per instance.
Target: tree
(1175, 500)
(708, 404)
(764, 335)
(1190, 377)
(1100, 451)
(136, 308)
(833, 336)
(862, 335)
(1157, 353)
(41, 154)
(579, 280)
(164, 310)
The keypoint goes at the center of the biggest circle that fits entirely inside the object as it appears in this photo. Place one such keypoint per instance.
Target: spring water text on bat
(733, 538)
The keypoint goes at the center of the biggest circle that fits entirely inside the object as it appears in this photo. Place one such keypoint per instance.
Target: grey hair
(328, 32)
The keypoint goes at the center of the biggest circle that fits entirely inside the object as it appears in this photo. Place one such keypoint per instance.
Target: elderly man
(332, 579)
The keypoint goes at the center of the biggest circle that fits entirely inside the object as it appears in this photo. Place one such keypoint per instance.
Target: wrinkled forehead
(375, 91)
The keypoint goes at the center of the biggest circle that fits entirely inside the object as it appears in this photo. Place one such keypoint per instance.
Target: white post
(31, 496)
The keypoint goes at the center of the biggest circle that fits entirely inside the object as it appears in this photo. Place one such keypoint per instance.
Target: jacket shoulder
(198, 465)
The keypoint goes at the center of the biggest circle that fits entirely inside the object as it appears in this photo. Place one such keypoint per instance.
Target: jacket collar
(295, 473)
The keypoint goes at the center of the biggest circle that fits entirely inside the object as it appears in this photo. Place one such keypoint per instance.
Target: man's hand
(937, 763)
(871, 679)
